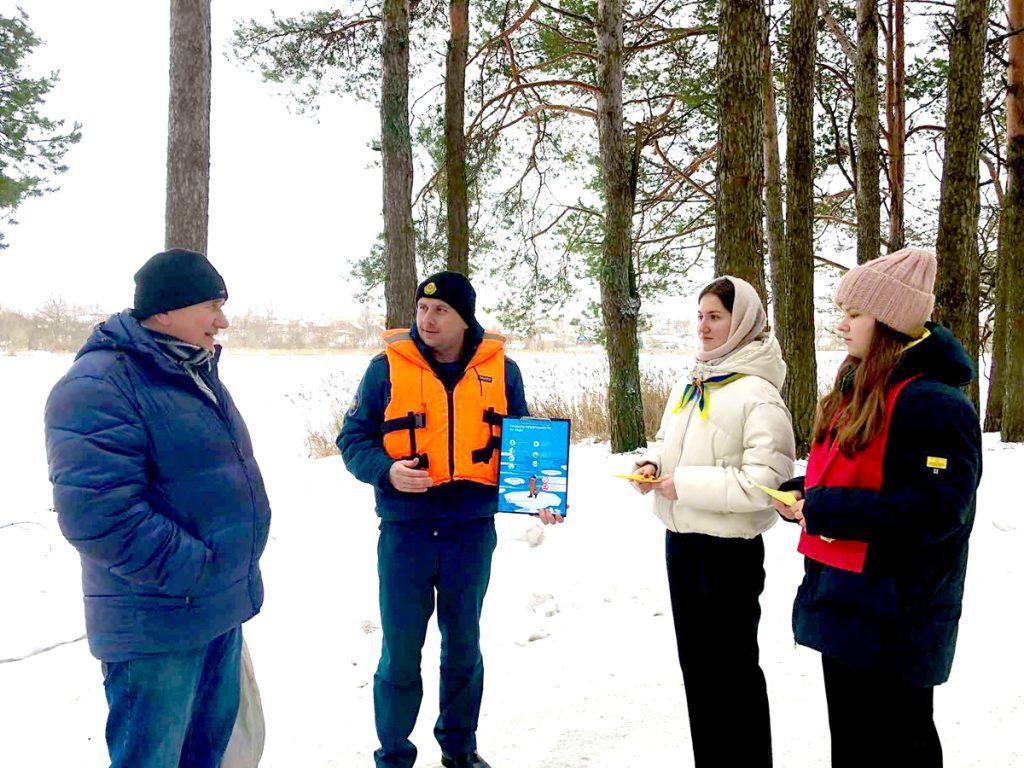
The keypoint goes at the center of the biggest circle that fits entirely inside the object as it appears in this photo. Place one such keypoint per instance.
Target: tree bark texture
(186, 212)
(896, 121)
(742, 35)
(1011, 246)
(868, 147)
(620, 300)
(455, 137)
(774, 216)
(396, 151)
(973, 341)
(795, 300)
(997, 366)
(1011, 235)
(956, 244)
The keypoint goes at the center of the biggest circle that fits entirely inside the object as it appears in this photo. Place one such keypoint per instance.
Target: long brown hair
(858, 413)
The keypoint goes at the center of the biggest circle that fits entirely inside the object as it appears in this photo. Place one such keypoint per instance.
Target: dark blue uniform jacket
(361, 442)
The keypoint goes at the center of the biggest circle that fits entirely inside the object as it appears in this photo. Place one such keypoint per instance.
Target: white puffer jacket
(747, 438)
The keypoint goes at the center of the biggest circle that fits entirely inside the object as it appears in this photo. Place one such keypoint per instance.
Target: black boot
(464, 761)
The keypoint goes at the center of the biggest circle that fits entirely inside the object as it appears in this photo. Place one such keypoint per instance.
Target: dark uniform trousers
(418, 562)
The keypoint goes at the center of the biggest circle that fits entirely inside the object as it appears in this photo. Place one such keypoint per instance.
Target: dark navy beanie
(174, 279)
(455, 290)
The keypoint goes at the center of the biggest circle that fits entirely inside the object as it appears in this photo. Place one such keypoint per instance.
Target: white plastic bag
(246, 745)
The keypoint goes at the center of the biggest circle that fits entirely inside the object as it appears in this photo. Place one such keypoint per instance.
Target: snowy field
(578, 641)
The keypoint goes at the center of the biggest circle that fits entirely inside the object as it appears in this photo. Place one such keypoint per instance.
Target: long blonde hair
(858, 414)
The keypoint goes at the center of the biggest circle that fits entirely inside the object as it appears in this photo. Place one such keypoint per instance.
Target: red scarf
(828, 467)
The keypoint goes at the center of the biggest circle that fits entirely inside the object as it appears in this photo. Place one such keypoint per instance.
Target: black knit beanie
(174, 279)
(455, 290)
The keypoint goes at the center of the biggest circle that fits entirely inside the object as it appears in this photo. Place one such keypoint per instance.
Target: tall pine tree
(186, 214)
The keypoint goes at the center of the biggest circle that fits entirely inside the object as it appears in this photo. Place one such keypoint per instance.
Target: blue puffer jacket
(157, 488)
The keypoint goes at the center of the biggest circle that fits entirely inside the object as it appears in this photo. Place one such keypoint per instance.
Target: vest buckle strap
(484, 455)
(493, 418)
(410, 421)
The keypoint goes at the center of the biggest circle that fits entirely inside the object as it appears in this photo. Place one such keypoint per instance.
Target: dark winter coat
(157, 488)
(361, 442)
(901, 613)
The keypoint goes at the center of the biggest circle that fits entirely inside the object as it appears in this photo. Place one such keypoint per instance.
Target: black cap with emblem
(455, 290)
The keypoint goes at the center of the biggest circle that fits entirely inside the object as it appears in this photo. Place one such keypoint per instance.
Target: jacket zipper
(248, 478)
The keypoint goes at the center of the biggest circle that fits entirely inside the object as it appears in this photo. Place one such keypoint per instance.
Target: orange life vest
(456, 434)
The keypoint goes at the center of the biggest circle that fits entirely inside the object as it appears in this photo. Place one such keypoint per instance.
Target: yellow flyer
(785, 497)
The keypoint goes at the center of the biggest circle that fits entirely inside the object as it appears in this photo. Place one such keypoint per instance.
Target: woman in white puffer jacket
(725, 431)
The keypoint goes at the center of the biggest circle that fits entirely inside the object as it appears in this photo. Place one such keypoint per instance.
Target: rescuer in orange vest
(425, 431)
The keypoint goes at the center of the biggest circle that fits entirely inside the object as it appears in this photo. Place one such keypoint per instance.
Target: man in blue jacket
(424, 431)
(156, 486)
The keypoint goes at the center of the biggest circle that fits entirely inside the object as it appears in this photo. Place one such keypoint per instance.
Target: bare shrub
(587, 406)
(320, 440)
(332, 397)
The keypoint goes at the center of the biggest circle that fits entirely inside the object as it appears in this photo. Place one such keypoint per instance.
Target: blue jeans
(174, 710)
(417, 561)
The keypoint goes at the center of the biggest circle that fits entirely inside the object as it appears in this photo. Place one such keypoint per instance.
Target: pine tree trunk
(973, 342)
(774, 216)
(996, 383)
(868, 162)
(795, 301)
(620, 301)
(896, 119)
(956, 244)
(1012, 251)
(186, 213)
(396, 151)
(455, 138)
(742, 33)
(1011, 235)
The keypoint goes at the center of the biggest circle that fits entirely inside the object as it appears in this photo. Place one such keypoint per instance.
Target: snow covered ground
(578, 642)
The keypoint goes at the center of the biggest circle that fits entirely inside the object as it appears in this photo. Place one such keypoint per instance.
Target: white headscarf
(748, 321)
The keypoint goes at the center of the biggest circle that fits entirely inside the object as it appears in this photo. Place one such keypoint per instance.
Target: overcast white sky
(293, 201)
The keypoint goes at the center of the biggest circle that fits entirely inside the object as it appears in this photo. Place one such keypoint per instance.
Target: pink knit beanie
(895, 289)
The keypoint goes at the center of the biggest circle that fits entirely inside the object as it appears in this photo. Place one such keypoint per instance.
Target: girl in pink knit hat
(886, 508)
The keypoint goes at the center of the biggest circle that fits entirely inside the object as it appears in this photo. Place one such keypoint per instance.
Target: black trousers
(714, 584)
(878, 722)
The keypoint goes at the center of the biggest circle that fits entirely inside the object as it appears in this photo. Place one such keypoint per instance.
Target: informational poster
(534, 473)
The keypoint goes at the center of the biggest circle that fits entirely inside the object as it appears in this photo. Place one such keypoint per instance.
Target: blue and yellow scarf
(698, 390)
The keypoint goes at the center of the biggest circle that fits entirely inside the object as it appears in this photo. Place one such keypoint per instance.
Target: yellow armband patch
(936, 462)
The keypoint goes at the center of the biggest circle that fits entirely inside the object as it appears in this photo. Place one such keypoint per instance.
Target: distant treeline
(63, 327)
(57, 327)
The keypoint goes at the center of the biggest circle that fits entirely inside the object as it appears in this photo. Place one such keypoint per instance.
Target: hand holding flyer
(640, 478)
(785, 497)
